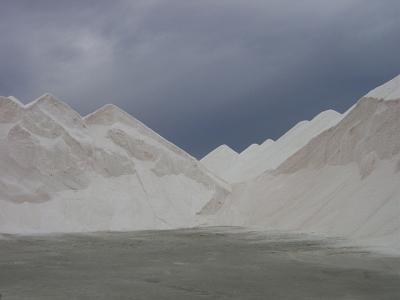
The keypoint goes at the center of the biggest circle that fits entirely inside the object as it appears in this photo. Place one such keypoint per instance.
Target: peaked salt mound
(15, 99)
(107, 171)
(267, 142)
(220, 159)
(10, 110)
(110, 114)
(271, 154)
(248, 155)
(58, 110)
(254, 148)
(250, 150)
(344, 181)
(388, 91)
(370, 128)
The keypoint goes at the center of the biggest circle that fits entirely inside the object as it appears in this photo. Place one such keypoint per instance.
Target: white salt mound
(257, 159)
(220, 159)
(337, 174)
(344, 181)
(107, 171)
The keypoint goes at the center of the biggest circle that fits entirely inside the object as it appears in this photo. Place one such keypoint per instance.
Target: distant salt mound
(107, 171)
(220, 159)
(254, 149)
(250, 150)
(337, 174)
(257, 159)
(344, 181)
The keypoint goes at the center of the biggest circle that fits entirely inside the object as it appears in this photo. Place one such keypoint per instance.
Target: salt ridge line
(270, 154)
(388, 91)
(248, 167)
(220, 159)
(61, 173)
(343, 182)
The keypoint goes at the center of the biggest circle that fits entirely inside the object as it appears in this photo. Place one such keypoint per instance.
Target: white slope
(220, 159)
(271, 154)
(250, 150)
(388, 91)
(15, 99)
(254, 149)
(59, 111)
(10, 110)
(344, 182)
(107, 171)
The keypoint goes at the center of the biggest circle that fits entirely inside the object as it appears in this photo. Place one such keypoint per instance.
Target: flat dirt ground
(213, 263)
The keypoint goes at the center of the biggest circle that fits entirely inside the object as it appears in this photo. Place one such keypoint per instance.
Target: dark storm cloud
(201, 72)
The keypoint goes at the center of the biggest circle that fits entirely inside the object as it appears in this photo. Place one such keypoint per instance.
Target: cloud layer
(201, 72)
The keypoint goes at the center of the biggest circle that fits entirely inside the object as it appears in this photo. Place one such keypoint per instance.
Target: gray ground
(217, 263)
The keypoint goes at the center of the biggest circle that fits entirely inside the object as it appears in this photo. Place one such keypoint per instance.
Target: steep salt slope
(345, 181)
(271, 155)
(388, 91)
(107, 171)
(15, 100)
(220, 159)
(250, 150)
(10, 110)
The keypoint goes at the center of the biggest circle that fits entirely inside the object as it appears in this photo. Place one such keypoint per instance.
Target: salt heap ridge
(106, 171)
(343, 182)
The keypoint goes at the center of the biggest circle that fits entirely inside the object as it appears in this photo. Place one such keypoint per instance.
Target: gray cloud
(201, 73)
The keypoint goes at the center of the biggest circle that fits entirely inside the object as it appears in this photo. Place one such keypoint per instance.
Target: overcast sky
(201, 72)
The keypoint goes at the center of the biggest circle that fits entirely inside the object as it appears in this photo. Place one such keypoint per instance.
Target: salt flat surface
(212, 263)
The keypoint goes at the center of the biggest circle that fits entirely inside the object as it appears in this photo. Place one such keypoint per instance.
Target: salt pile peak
(220, 159)
(268, 156)
(344, 181)
(107, 171)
